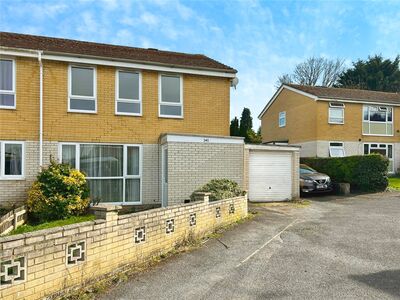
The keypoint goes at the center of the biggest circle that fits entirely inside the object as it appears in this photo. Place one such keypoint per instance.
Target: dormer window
(336, 113)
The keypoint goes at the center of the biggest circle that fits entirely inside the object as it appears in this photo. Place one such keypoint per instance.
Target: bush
(220, 189)
(367, 173)
(58, 193)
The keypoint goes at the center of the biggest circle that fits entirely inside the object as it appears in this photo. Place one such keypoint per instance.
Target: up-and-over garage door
(270, 176)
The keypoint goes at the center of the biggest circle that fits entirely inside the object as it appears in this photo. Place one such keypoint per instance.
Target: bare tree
(314, 71)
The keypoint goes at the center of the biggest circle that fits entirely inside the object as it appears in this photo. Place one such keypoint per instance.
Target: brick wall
(51, 260)
(191, 165)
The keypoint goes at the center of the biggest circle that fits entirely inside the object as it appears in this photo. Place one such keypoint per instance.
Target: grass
(32, 227)
(394, 183)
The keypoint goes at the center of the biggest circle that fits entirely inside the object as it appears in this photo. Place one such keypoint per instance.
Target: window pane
(170, 89)
(128, 85)
(170, 110)
(378, 116)
(6, 75)
(133, 160)
(390, 151)
(128, 107)
(337, 152)
(13, 159)
(89, 105)
(366, 149)
(132, 190)
(101, 160)
(365, 113)
(68, 155)
(82, 81)
(377, 128)
(336, 115)
(389, 114)
(6, 100)
(106, 190)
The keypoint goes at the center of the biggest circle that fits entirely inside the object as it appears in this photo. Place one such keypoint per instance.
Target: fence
(41, 263)
(12, 220)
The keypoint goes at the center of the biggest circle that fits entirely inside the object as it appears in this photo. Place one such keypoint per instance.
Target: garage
(272, 172)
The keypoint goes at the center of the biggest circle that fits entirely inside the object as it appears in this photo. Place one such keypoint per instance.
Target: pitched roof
(349, 94)
(320, 92)
(74, 47)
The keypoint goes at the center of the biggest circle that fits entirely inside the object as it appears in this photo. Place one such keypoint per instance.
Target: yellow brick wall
(205, 102)
(301, 119)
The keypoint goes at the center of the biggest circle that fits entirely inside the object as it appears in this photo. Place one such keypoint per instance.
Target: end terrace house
(334, 122)
(146, 126)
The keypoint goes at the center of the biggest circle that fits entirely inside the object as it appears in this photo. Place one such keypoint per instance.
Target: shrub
(364, 173)
(58, 193)
(220, 189)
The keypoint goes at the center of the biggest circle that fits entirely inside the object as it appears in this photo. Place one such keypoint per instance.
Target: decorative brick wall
(41, 263)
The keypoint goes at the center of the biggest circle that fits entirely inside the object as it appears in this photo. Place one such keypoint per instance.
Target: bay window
(11, 160)
(170, 96)
(7, 84)
(82, 89)
(128, 93)
(377, 120)
(113, 172)
(336, 113)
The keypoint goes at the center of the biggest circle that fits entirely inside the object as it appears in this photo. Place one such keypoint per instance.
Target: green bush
(58, 193)
(367, 173)
(220, 189)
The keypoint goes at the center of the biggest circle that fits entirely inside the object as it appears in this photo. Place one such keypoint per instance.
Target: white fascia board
(284, 86)
(292, 148)
(114, 63)
(176, 138)
(358, 102)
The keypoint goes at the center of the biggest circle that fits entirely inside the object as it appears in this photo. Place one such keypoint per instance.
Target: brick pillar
(106, 212)
(202, 196)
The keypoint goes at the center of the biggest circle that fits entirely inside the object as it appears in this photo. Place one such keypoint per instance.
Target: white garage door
(270, 176)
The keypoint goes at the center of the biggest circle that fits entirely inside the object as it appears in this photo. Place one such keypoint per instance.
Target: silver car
(312, 181)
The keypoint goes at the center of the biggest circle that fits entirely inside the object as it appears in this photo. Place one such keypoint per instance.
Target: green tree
(376, 73)
(246, 122)
(253, 137)
(234, 128)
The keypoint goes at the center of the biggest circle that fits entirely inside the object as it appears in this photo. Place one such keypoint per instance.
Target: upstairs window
(7, 83)
(336, 113)
(377, 120)
(82, 89)
(170, 95)
(11, 160)
(282, 119)
(336, 149)
(128, 93)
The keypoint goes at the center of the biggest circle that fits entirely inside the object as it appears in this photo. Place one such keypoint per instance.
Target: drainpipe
(40, 108)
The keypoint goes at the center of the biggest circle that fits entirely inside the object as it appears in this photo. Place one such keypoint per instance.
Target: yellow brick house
(128, 117)
(334, 121)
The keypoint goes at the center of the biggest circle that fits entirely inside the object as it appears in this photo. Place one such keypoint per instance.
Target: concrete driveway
(344, 248)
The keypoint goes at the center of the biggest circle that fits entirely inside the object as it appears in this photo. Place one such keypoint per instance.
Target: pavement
(333, 248)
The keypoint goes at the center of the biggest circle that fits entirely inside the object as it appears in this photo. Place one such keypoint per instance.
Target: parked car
(311, 181)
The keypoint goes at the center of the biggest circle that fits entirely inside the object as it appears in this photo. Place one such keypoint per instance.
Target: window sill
(371, 134)
(8, 107)
(128, 114)
(12, 178)
(334, 123)
(170, 117)
(82, 112)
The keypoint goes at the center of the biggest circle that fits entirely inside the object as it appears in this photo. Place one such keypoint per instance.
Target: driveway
(344, 248)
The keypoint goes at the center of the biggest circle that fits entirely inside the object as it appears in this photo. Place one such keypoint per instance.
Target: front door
(164, 175)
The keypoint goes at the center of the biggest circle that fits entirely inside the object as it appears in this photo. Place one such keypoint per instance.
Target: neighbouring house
(334, 122)
(146, 126)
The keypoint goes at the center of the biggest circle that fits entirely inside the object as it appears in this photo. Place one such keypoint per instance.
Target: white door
(164, 176)
(270, 176)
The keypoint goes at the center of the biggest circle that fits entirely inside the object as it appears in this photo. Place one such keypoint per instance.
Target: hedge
(365, 173)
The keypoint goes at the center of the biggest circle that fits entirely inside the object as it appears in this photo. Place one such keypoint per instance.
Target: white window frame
(13, 91)
(369, 122)
(160, 102)
(282, 115)
(387, 150)
(3, 176)
(336, 105)
(125, 167)
(118, 99)
(336, 147)
(91, 98)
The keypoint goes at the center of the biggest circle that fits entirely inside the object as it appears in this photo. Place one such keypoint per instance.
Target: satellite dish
(234, 82)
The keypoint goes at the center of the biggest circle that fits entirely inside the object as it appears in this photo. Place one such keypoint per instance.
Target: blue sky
(261, 39)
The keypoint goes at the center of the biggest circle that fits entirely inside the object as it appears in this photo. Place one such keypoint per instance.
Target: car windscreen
(306, 170)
